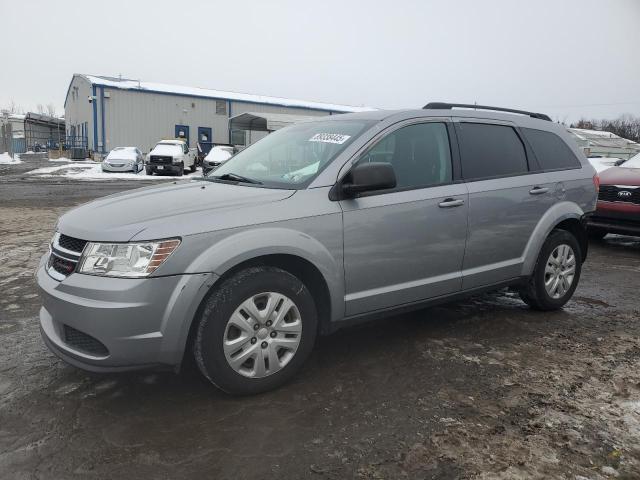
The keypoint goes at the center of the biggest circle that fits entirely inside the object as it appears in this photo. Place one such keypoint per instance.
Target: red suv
(618, 209)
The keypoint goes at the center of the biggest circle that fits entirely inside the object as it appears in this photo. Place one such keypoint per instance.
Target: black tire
(181, 169)
(596, 233)
(193, 167)
(149, 170)
(534, 293)
(221, 304)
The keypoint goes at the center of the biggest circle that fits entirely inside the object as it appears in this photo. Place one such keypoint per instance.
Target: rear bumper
(142, 323)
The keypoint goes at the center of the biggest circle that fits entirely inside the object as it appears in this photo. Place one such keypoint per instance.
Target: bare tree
(626, 126)
(51, 109)
(13, 107)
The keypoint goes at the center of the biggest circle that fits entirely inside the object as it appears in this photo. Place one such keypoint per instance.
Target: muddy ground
(480, 389)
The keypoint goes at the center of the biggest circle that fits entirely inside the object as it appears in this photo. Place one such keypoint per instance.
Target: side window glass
(551, 151)
(420, 155)
(488, 151)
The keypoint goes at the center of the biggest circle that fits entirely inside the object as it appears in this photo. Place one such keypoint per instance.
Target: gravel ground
(482, 389)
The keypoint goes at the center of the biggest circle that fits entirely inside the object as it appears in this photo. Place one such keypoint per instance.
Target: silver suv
(317, 226)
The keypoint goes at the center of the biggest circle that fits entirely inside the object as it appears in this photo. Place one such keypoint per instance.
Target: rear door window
(550, 150)
(489, 151)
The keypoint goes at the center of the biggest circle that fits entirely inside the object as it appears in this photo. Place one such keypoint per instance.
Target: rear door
(407, 244)
(508, 195)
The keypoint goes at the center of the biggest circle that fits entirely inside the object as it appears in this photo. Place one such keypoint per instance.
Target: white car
(216, 157)
(171, 156)
(123, 159)
(603, 163)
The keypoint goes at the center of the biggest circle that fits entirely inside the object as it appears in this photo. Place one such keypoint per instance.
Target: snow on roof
(603, 139)
(129, 84)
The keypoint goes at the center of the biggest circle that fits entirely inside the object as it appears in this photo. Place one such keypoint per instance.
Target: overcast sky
(568, 58)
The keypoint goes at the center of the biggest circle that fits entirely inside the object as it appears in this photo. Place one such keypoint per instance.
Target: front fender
(556, 214)
(246, 245)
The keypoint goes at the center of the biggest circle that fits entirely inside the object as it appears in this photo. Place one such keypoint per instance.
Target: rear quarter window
(550, 150)
(489, 150)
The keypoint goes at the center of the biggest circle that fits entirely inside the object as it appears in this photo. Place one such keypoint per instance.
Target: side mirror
(367, 177)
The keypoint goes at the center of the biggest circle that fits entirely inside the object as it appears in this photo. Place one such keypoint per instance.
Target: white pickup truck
(171, 156)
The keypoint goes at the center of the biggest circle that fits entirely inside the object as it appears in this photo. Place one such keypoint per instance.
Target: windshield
(294, 156)
(633, 162)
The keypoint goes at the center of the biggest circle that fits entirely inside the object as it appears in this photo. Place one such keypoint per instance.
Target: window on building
(221, 107)
(238, 137)
(490, 151)
(420, 155)
(550, 150)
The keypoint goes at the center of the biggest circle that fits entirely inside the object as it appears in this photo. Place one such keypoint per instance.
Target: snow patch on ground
(5, 159)
(93, 171)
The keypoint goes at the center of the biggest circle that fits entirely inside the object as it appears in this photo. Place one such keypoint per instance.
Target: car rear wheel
(596, 233)
(149, 170)
(556, 273)
(256, 331)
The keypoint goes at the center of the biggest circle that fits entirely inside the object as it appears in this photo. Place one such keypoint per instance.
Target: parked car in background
(319, 225)
(123, 159)
(602, 163)
(618, 209)
(171, 156)
(216, 157)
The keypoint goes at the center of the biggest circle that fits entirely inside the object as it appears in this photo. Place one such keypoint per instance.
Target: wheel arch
(293, 251)
(561, 216)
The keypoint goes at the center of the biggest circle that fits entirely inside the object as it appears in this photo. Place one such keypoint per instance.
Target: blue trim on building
(95, 120)
(229, 121)
(102, 115)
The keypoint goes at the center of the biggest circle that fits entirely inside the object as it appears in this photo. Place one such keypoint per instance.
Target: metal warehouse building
(102, 113)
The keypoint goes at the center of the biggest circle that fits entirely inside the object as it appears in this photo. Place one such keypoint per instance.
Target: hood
(178, 209)
(620, 176)
(168, 149)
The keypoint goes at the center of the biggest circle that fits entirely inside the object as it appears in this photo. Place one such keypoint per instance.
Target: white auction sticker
(330, 138)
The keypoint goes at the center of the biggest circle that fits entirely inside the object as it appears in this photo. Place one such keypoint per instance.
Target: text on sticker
(330, 138)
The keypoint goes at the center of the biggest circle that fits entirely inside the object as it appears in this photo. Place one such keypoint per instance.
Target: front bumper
(112, 168)
(168, 168)
(142, 322)
(616, 217)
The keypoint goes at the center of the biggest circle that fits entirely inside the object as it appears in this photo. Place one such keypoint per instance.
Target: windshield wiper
(233, 177)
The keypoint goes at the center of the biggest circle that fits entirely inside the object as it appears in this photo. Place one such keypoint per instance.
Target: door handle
(538, 190)
(451, 202)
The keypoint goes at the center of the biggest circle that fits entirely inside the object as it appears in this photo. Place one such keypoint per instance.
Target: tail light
(596, 182)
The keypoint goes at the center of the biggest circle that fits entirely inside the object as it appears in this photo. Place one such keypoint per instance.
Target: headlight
(130, 260)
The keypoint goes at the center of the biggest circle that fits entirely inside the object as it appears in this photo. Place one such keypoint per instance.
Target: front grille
(61, 265)
(611, 193)
(83, 342)
(70, 243)
(158, 160)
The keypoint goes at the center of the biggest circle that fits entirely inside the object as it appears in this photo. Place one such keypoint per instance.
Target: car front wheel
(256, 330)
(556, 273)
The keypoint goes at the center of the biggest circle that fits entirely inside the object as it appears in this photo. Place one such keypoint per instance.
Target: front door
(182, 131)
(204, 134)
(406, 244)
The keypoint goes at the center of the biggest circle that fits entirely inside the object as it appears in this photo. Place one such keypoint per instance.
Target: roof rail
(449, 106)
